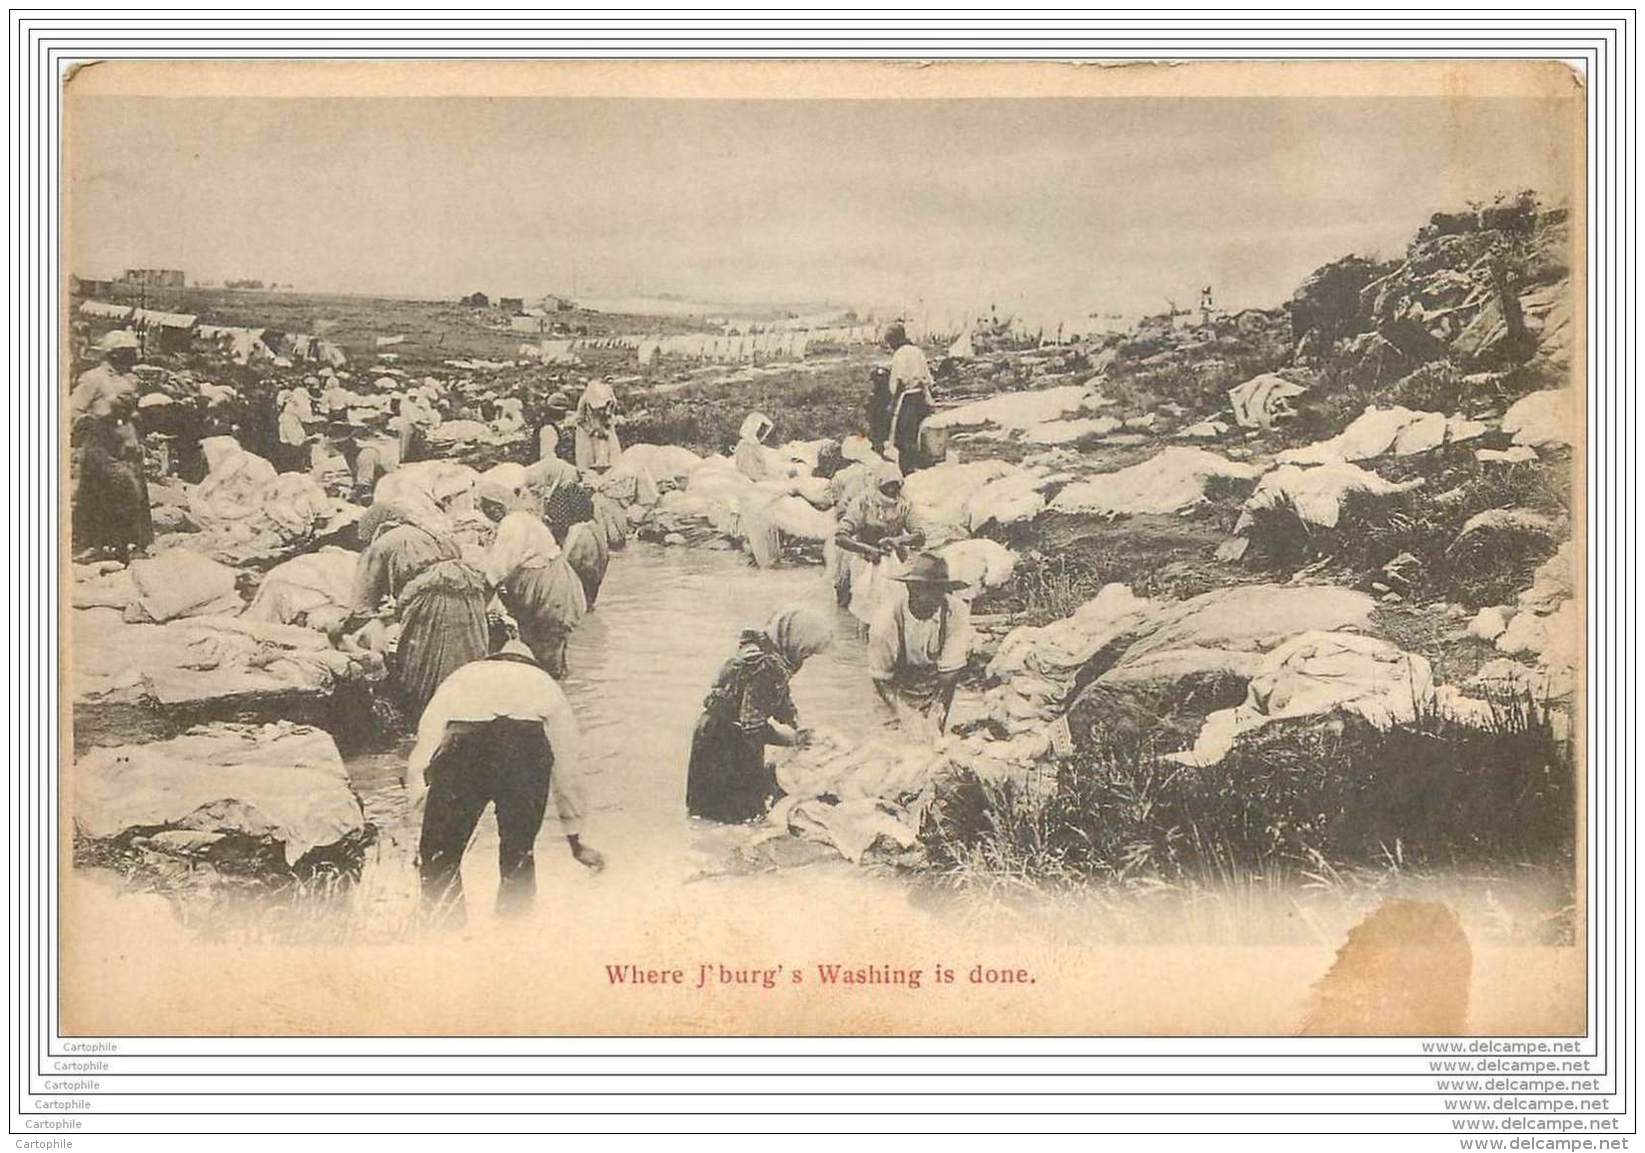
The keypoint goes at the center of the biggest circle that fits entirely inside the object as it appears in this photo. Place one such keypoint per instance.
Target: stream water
(639, 667)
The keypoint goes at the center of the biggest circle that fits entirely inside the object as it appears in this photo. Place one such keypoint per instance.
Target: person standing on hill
(596, 421)
(911, 400)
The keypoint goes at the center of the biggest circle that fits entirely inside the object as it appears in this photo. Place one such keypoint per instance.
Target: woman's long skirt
(111, 502)
(727, 779)
(588, 554)
(548, 603)
(441, 630)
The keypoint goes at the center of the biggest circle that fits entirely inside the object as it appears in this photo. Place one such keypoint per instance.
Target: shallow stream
(639, 667)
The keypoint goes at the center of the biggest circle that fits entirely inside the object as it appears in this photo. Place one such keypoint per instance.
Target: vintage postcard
(767, 548)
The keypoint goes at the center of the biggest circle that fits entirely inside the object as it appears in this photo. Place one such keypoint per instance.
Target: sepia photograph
(859, 548)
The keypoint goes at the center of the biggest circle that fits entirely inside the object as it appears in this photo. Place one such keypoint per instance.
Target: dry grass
(1333, 803)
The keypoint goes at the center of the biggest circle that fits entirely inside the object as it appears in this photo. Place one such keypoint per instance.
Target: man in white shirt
(498, 731)
(919, 643)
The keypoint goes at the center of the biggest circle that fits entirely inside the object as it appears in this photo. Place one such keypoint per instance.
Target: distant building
(513, 305)
(477, 300)
(156, 277)
(86, 286)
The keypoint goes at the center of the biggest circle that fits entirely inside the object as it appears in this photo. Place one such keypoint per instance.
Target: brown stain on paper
(1404, 971)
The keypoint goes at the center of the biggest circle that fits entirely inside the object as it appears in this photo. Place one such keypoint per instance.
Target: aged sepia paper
(1184, 463)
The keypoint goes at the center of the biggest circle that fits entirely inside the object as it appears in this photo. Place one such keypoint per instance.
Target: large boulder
(1328, 302)
(253, 798)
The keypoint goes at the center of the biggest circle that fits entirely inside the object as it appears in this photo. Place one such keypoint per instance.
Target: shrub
(1320, 793)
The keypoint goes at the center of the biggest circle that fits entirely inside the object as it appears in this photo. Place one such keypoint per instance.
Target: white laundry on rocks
(1317, 673)
(1317, 493)
(1169, 482)
(1376, 431)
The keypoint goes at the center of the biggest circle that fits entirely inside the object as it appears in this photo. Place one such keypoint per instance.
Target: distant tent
(150, 318)
(105, 311)
(163, 331)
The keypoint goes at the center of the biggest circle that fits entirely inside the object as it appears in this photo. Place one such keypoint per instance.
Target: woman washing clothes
(527, 567)
(565, 502)
(748, 708)
(441, 599)
(596, 424)
(875, 537)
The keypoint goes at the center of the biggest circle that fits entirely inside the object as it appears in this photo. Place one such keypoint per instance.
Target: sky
(1043, 207)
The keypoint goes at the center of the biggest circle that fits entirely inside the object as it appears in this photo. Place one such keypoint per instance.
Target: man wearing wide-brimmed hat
(919, 642)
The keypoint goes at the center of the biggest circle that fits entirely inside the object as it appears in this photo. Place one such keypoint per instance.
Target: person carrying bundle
(596, 422)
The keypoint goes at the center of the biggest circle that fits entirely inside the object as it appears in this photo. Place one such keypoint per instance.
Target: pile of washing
(675, 497)
(1297, 648)
(245, 513)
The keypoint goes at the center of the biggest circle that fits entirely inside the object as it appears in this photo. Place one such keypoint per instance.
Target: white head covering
(756, 427)
(598, 394)
(800, 631)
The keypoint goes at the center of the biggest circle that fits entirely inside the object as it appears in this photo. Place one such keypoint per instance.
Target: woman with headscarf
(596, 421)
(296, 414)
(533, 579)
(440, 598)
(412, 422)
(748, 708)
(874, 538)
(111, 513)
(557, 492)
(750, 458)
